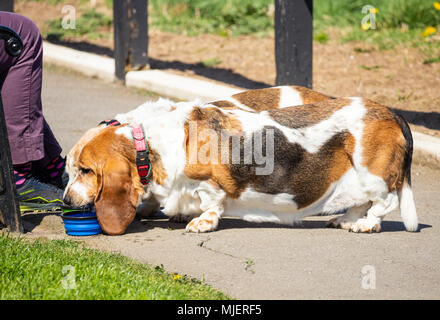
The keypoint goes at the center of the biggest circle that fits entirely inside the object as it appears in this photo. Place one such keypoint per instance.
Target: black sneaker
(36, 196)
(59, 181)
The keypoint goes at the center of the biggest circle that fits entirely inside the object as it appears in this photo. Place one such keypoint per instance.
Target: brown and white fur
(328, 155)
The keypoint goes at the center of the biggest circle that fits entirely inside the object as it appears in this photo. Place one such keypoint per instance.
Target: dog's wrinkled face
(102, 171)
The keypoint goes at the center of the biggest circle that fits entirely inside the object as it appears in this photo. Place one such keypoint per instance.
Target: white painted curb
(182, 88)
(426, 146)
(89, 64)
(160, 82)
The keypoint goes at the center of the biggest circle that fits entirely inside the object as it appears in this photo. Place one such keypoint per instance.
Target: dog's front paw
(201, 225)
(365, 226)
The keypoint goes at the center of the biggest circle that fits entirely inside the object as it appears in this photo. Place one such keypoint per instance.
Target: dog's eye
(85, 170)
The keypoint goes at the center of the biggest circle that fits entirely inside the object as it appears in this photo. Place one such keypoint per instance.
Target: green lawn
(34, 270)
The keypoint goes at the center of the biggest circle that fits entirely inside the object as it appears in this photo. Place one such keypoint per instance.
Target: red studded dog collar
(143, 163)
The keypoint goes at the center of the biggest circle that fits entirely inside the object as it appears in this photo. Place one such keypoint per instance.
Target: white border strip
(89, 64)
(427, 145)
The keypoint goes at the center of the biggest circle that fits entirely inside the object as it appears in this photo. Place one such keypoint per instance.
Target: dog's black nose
(67, 200)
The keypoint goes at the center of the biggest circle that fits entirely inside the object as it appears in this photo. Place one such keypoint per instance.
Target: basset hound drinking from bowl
(276, 154)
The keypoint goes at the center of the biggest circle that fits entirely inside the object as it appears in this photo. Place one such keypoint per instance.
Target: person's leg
(30, 136)
(51, 167)
(31, 140)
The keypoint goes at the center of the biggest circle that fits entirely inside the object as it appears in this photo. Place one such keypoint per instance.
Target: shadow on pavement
(161, 221)
(391, 226)
(33, 220)
(430, 120)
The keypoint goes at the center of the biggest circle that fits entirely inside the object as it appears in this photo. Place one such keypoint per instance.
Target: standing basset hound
(276, 154)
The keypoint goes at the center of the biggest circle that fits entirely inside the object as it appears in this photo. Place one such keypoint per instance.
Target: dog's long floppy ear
(119, 190)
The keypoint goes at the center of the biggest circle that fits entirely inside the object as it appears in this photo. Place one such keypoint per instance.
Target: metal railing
(7, 5)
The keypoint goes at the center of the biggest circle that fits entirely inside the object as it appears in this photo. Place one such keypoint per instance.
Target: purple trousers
(30, 137)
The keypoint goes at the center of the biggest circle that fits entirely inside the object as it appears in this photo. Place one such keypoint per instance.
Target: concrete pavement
(257, 261)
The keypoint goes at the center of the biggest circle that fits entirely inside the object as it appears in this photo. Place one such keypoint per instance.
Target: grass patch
(398, 23)
(402, 97)
(321, 37)
(391, 13)
(252, 16)
(432, 60)
(388, 39)
(52, 2)
(249, 264)
(362, 50)
(211, 62)
(369, 68)
(55, 2)
(222, 17)
(34, 270)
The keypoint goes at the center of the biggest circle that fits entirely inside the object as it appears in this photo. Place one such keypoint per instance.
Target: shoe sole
(28, 207)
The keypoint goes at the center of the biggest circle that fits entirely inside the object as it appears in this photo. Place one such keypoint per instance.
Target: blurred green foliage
(89, 23)
(223, 17)
(253, 16)
(392, 13)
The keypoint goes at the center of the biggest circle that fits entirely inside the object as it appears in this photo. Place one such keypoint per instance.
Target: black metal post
(7, 5)
(9, 207)
(130, 22)
(294, 42)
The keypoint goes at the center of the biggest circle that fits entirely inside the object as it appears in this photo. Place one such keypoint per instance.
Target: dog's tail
(406, 198)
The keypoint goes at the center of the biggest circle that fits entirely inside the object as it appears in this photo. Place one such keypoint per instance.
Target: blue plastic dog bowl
(81, 223)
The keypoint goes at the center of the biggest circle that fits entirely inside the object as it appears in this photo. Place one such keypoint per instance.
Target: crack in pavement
(202, 244)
